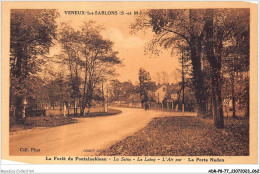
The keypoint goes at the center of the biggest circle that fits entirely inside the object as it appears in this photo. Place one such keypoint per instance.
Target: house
(167, 95)
(166, 89)
(160, 93)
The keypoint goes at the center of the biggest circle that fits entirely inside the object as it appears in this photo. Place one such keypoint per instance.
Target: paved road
(85, 137)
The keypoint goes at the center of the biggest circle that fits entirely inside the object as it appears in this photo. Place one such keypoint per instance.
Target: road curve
(84, 138)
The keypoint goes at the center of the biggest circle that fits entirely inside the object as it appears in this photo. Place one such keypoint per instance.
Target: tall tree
(70, 41)
(59, 91)
(32, 34)
(236, 57)
(214, 59)
(220, 27)
(180, 25)
(144, 81)
(99, 60)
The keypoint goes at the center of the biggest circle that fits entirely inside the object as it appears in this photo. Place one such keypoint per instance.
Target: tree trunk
(211, 107)
(82, 111)
(232, 74)
(198, 79)
(233, 97)
(74, 107)
(18, 75)
(82, 107)
(14, 119)
(247, 101)
(89, 101)
(89, 106)
(103, 95)
(215, 63)
(217, 100)
(19, 108)
(68, 110)
(247, 111)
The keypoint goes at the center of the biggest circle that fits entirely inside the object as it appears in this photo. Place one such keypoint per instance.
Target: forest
(211, 44)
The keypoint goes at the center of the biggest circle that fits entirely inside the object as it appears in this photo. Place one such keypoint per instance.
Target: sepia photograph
(131, 85)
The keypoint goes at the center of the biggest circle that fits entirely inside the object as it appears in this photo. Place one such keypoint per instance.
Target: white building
(160, 93)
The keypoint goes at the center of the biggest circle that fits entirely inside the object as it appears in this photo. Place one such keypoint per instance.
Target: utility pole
(182, 81)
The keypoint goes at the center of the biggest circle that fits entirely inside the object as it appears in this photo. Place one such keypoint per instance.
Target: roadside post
(24, 106)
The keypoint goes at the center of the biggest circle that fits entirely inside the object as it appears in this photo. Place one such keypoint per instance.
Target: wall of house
(160, 93)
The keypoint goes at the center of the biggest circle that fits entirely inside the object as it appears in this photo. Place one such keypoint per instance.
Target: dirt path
(85, 137)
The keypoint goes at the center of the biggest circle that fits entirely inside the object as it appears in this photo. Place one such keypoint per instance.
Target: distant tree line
(128, 92)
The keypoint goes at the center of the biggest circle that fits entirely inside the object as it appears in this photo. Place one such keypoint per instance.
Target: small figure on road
(146, 106)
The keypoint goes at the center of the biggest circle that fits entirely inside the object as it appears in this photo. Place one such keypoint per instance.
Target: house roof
(171, 87)
(159, 86)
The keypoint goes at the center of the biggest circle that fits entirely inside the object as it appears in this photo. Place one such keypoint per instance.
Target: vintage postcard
(130, 82)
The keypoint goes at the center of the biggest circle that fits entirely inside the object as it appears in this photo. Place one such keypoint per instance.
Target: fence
(166, 107)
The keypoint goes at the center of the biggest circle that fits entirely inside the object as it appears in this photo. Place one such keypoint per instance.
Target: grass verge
(51, 121)
(185, 136)
(100, 114)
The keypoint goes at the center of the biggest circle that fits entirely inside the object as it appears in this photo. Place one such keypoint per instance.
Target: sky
(130, 46)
